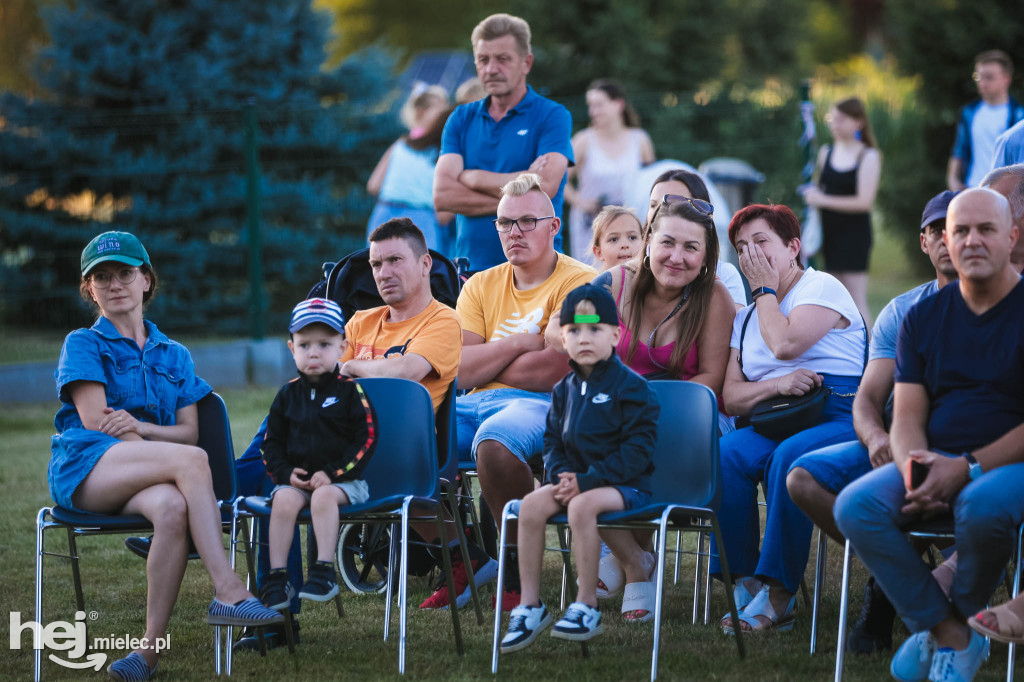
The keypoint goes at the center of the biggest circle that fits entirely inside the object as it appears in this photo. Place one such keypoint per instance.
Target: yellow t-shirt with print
(492, 307)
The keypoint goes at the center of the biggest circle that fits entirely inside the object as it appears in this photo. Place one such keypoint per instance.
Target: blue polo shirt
(533, 127)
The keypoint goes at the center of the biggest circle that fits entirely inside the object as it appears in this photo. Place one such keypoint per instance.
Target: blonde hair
(605, 218)
(501, 25)
(423, 97)
(470, 91)
(585, 307)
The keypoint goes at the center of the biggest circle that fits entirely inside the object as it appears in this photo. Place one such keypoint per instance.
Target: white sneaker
(913, 659)
(524, 624)
(950, 665)
(580, 623)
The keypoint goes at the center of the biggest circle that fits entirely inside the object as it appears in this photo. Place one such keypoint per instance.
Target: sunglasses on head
(699, 205)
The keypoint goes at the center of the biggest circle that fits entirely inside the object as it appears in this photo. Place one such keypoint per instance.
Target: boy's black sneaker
(873, 631)
(321, 584)
(277, 591)
(273, 637)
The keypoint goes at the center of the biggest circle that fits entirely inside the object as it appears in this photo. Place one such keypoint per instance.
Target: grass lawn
(114, 583)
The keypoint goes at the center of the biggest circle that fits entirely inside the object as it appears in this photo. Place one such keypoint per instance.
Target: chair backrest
(447, 448)
(215, 438)
(404, 460)
(686, 466)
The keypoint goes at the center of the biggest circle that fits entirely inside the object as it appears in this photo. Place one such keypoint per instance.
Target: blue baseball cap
(317, 310)
(936, 208)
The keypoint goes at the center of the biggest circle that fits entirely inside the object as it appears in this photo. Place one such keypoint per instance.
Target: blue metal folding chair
(214, 438)
(404, 483)
(686, 492)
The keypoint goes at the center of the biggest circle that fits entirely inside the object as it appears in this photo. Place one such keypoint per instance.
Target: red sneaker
(483, 573)
(509, 600)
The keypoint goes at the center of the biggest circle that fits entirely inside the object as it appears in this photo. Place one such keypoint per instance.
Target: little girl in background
(616, 239)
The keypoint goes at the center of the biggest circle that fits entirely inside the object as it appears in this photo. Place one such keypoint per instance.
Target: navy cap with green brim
(601, 298)
(120, 247)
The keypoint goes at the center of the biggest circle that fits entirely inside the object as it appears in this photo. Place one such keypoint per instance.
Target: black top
(603, 428)
(328, 426)
(846, 237)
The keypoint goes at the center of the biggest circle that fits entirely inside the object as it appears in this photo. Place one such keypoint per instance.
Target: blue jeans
(987, 513)
(510, 416)
(749, 458)
(253, 480)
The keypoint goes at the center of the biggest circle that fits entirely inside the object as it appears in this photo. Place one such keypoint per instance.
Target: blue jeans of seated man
(253, 480)
(747, 459)
(510, 416)
(836, 466)
(987, 513)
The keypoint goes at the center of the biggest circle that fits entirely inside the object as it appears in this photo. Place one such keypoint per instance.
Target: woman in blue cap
(126, 441)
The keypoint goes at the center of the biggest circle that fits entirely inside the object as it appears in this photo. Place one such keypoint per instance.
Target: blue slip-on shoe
(950, 665)
(249, 611)
(580, 623)
(131, 668)
(913, 659)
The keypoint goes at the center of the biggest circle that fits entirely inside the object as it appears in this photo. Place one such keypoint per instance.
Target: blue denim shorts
(510, 416)
(836, 466)
(633, 498)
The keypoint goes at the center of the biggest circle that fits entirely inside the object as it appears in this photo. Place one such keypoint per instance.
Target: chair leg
(76, 572)
(727, 579)
(446, 558)
(707, 579)
(40, 525)
(843, 603)
(460, 530)
(679, 553)
(403, 588)
(1011, 657)
(389, 591)
(499, 588)
(819, 584)
(659, 592)
(565, 545)
(697, 571)
(473, 516)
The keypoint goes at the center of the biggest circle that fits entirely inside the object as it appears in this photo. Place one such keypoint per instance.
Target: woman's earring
(792, 263)
(646, 263)
(703, 270)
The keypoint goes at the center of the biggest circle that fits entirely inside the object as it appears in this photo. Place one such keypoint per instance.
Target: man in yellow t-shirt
(504, 311)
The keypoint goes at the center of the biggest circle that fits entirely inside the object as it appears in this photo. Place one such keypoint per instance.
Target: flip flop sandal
(611, 578)
(639, 597)
(1009, 626)
(761, 605)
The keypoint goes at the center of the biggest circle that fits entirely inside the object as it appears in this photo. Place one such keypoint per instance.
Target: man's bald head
(979, 233)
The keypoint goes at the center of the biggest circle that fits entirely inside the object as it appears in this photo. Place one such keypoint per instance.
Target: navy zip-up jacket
(603, 428)
(326, 426)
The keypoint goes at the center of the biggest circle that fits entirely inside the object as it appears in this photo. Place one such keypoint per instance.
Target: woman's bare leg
(165, 508)
(130, 467)
(857, 284)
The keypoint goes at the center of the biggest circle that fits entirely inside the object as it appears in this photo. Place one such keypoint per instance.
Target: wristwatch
(974, 470)
(761, 291)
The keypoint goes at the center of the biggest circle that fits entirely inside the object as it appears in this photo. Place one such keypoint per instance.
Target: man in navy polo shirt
(489, 143)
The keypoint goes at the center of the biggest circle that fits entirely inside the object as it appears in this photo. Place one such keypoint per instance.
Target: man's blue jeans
(749, 458)
(987, 513)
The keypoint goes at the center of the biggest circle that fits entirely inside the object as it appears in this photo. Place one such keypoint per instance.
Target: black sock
(325, 565)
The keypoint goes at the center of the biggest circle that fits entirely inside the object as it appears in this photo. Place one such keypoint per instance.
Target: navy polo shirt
(533, 127)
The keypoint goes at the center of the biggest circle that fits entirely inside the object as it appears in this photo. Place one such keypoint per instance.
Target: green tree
(141, 129)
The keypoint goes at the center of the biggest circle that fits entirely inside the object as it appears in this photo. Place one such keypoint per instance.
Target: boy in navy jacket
(600, 436)
(320, 435)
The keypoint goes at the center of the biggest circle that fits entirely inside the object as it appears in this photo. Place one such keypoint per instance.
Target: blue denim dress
(152, 384)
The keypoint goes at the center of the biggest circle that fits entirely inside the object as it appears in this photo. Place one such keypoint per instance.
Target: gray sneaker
(580, 623)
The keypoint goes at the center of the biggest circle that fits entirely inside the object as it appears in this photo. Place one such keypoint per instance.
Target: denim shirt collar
(107, 330)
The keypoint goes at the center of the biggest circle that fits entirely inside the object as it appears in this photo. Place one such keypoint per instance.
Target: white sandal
(611, 578)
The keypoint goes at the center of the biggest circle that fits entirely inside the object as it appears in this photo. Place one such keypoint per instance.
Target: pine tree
(142, 128)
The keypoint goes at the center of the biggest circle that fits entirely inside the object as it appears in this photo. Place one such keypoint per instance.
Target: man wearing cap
(816, 478)
(1009, 181)
(959, 414)
(504, 311)
(489, 142)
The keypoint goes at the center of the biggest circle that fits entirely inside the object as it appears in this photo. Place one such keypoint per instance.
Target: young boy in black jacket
(320, 435)
(600, 436)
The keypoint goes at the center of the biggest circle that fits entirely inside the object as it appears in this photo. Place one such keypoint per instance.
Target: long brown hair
(614, 90)
(855, 109)
(693, 315)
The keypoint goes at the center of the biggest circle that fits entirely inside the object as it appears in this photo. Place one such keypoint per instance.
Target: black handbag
(786, 415)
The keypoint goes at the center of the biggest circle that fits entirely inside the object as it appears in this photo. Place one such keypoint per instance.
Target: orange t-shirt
(491, 306)
(434, 334)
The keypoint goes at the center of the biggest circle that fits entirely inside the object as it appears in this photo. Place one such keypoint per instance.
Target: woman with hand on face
(802, 331)
(849, 170)
(126, 442)
(606, 153)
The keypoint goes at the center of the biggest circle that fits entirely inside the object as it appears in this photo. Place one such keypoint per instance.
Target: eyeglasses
(698, 205)
(524, 224)
(103, 279)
